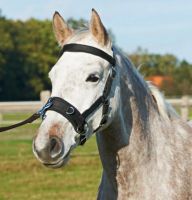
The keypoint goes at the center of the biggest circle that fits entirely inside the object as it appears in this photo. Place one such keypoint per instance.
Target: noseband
(71, 113)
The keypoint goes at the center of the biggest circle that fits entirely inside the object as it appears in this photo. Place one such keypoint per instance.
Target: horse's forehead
(75, 66)
(79, 61)
(82, 36)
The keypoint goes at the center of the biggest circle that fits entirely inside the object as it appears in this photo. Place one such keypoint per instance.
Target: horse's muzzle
(52, 154)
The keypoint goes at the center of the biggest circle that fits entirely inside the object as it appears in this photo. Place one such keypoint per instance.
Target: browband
(87, 49)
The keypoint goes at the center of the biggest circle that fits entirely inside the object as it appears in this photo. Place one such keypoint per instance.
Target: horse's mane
(166, 110)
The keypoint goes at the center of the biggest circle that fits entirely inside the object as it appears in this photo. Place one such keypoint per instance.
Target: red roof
(159, 80)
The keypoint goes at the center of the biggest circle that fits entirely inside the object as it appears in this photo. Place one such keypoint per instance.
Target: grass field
(22, 177)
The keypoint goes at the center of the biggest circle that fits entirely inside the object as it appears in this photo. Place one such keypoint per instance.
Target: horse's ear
(61, 29)
(98, 30)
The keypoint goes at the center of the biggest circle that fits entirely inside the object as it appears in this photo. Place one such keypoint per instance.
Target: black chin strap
(67, 110)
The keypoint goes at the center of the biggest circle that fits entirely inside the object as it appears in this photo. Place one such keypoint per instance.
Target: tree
(1, 15)
(165, 65)
(28, 50)
(76, 24)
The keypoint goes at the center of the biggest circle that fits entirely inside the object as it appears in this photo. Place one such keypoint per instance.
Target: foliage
(75, 24)
(28, 51)
(165, 65)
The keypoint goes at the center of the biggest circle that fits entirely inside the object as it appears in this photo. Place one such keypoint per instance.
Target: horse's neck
(126, 144)
(144, 153)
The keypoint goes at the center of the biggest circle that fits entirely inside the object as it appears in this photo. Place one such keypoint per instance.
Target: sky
(160, 26)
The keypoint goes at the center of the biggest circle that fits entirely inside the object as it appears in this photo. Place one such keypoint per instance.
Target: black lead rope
(69, 111)
(31, 119)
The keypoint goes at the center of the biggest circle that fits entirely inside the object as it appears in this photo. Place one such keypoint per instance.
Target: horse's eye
(92, 78)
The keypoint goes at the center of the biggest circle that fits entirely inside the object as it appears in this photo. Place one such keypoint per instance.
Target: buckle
(83, 133)
(43, 110)
(82, 130)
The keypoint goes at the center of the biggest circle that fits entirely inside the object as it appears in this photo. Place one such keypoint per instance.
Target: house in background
(161, 81)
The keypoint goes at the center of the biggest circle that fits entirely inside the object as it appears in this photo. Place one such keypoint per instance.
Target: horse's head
(79, 78)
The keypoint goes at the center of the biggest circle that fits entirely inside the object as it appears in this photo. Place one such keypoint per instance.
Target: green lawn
(22, 177)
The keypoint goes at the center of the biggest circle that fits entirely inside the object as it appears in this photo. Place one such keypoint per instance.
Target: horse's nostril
(56, 147)
(53, 144)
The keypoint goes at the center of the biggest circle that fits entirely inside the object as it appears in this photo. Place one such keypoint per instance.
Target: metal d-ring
(70, 110)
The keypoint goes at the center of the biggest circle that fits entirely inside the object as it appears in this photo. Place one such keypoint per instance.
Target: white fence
(24, 106)
(183, 103)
